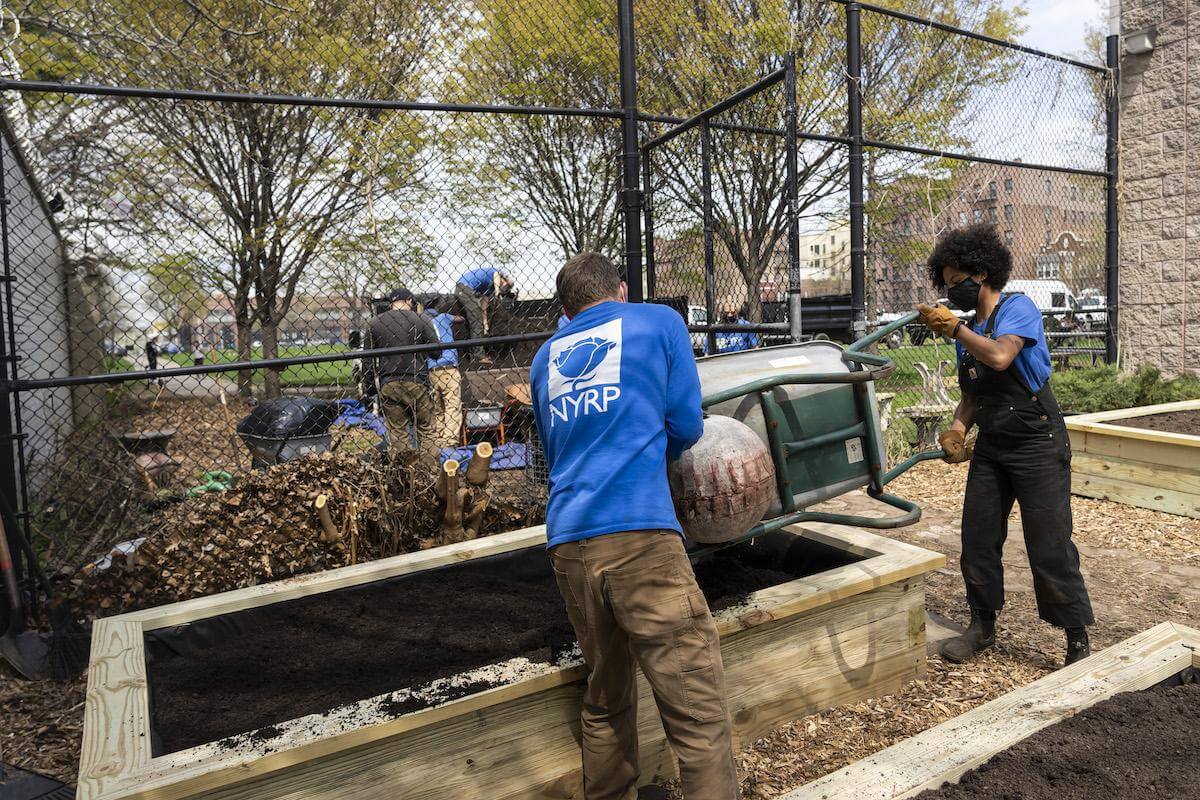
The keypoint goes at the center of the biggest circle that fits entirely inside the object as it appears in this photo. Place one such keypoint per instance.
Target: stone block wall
(1160, 188)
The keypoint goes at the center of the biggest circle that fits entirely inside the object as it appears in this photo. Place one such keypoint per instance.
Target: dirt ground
(1172, 422)
(1142, 567)
(1123, 748)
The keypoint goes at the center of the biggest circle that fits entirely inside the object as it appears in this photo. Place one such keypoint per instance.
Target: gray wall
(39, 314)
(1160, 188)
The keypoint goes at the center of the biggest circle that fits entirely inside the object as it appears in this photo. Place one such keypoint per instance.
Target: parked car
(1093, 311)
(1054, 299)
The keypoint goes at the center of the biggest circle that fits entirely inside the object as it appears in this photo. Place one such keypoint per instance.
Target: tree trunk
(245, 378)
(270, 348)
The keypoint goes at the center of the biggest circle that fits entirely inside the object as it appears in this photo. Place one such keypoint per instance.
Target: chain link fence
(207, 204)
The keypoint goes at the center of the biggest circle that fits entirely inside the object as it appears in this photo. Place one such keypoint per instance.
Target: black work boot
(980, 635)
(1078, 646)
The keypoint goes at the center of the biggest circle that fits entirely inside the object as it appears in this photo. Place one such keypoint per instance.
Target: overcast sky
(1058, 26)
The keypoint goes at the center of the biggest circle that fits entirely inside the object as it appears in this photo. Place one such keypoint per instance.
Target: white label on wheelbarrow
(791, 361)
(854, 452)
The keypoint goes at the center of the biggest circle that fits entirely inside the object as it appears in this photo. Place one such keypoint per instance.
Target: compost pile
(265, 528)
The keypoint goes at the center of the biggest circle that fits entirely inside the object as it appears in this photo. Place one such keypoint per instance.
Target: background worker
(734, 341)
(444, 377)
(475, 289)
(615, 394)
(403, 379)
(151, 350)
(1022, 452)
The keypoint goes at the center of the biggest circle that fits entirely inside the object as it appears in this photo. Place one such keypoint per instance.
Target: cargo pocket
(650, 601)
(696, 653)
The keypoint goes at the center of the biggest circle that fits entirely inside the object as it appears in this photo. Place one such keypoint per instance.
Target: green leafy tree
(260, 192)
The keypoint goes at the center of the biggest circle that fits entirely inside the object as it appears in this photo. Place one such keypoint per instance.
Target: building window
(1008, 185)
(991, 188)
(1046, 213)
(1047, 236)
(962, 217)
(992, 213)
(1049, 189)
(1008, 238)
(1008, 212)
(1074, 193)
(978, 215)
(832, 241)
(1046, 266)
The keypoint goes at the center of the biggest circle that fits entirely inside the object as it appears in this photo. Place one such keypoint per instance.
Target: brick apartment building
(1052, 222)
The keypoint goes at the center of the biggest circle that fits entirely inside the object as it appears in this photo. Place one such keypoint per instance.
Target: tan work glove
(938, 319)
(954, 443)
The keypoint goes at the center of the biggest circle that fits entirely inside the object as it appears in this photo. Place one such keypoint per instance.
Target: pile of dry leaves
(266, 528)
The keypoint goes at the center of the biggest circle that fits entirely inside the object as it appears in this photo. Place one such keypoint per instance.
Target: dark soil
(239, 672)
(1171, 422)
(1130, 747)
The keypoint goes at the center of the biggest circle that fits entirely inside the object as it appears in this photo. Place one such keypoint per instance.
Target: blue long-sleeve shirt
(615, 393)
(444, 325)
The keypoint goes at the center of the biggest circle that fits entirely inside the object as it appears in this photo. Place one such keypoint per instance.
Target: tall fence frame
(636, 206)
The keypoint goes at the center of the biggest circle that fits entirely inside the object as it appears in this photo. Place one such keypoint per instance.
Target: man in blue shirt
(1022, 453)
(615, 394)
(475, 288)
(444, 377)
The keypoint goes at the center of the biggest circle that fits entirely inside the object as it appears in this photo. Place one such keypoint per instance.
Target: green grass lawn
(322, 374)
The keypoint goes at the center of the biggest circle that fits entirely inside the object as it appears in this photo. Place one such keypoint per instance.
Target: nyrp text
(594, 400)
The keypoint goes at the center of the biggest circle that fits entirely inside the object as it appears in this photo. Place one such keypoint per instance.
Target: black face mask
(965, 295)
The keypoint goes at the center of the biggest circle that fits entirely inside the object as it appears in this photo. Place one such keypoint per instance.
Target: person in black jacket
(404, 390)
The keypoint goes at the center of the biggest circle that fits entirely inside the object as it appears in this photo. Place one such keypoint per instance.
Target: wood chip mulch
(1154, 534)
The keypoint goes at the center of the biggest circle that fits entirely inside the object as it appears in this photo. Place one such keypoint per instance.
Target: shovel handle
(12, 591)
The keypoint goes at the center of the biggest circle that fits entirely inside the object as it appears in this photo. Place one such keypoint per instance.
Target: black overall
(1022, 454)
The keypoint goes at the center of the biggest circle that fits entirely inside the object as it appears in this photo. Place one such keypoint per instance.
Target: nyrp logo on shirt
(585, 372)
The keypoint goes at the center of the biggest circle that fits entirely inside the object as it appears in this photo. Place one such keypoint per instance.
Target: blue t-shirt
(731, 342)
(615, 393)
(444, 325)
(562, 322)
(1019, 316)
(481, 281)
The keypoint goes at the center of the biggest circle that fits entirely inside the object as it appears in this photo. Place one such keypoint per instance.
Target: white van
(1053, 298)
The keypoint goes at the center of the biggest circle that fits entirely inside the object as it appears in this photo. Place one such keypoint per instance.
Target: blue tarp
(354, 414)
(505, 456)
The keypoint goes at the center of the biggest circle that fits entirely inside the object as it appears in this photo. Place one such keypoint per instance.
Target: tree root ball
(723, 485)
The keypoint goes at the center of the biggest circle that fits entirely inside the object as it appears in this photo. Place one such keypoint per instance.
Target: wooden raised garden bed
(944, 753)
(1117, 457)
(845, 623)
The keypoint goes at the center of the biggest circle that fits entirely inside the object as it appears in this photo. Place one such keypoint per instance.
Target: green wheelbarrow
(814, 406)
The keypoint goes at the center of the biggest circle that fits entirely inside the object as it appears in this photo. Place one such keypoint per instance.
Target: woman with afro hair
(1022, 452)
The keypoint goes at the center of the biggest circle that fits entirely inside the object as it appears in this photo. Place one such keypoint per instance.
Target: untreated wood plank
(1176, 479)
(945, 752)
(1136, 494)
(1111, 442)
(116, 744)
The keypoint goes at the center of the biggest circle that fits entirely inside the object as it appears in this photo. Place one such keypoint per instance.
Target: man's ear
(623, 293)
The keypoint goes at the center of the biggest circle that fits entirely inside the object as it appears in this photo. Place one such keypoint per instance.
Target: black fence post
(1112, 254)
(858, 304)
(631, 195)
(648, 213)
(791, 158)
(710, 278)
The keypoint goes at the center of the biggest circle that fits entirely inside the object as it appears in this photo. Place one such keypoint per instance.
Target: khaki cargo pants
(447, 393)
(408, 403)
(632, 599)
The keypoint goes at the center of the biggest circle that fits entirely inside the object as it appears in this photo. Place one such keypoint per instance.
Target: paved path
(201, 386)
